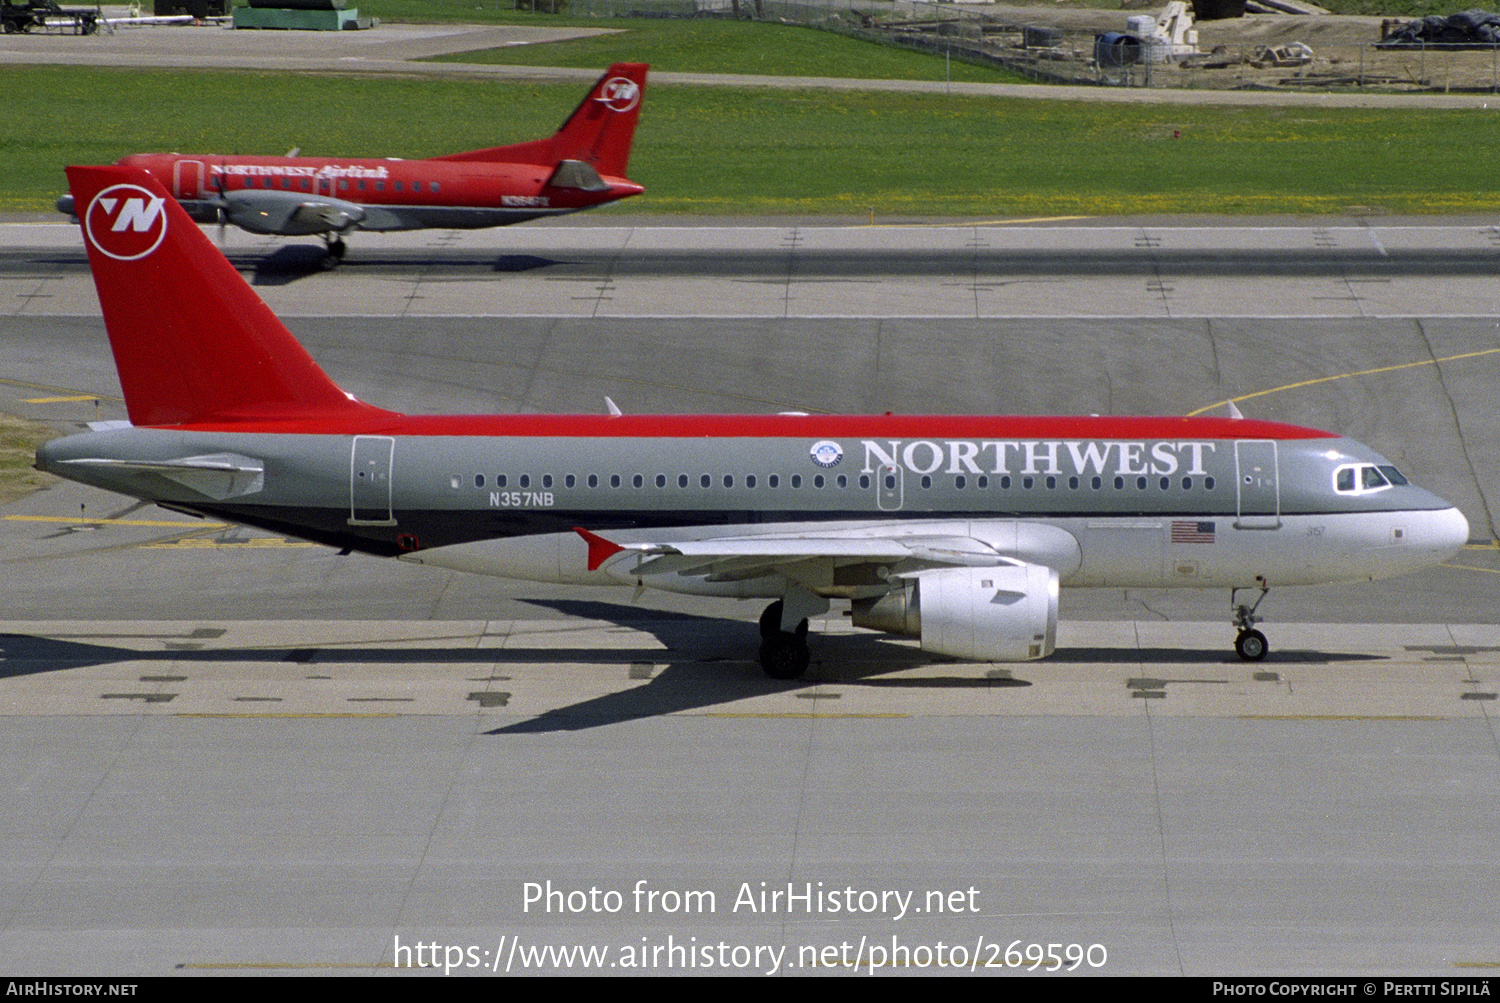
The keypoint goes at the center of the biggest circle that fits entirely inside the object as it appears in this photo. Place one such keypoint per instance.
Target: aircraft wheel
(770, 621)
(336, 248)
(784, 656)
(1250, 645)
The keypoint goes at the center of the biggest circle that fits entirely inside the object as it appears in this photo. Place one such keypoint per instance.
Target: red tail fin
(191, 340)
(598, 132)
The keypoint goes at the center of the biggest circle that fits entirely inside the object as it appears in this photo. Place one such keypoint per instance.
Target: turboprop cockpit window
(1394, 476)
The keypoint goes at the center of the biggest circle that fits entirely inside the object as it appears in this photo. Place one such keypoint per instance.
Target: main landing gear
(783, 653)
(1249, 643)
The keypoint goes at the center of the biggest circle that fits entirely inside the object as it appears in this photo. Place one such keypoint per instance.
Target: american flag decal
(1184, 531)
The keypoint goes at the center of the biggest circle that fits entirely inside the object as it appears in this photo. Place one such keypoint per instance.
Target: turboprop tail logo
(620, 93)
(126, 222)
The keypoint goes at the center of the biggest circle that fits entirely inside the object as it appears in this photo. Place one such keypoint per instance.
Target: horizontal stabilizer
(220, 476)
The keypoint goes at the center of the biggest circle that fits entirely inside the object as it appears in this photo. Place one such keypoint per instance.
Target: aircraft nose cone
(1448, 531)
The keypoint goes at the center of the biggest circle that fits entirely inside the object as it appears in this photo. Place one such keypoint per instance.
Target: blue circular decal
(827, 453)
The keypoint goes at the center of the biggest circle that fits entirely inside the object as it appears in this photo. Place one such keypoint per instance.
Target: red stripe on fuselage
(783, 427)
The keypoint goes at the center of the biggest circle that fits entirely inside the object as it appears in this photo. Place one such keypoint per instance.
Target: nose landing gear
(1249, 643)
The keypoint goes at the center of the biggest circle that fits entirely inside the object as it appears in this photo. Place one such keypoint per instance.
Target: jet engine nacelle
(996, 614)
(290, 215)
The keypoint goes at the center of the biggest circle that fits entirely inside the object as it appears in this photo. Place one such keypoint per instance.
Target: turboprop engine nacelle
(996, 614)
(289, 214)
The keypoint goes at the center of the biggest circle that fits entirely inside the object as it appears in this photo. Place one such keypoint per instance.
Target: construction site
(1292, 46)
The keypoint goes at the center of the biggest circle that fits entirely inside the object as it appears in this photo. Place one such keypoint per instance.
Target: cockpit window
(1394, 476)
(1363, 478)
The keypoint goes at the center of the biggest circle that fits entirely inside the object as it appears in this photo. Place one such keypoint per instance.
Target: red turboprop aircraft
(581, 166)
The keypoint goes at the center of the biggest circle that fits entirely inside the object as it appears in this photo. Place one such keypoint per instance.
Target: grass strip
(730, 150)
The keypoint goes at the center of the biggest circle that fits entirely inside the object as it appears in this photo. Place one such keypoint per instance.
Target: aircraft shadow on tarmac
(707, 661)
(295, 262)
(292, 262)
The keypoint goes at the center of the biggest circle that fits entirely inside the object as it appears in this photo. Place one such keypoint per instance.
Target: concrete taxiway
(1347, 267)
(235, 753)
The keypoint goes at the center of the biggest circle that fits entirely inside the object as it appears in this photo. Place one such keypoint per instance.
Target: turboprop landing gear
(783, 651)
(335, 255)
(1249, 644)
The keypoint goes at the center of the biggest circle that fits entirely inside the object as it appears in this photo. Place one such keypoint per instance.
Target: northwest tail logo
(126, 222)
(620, 93)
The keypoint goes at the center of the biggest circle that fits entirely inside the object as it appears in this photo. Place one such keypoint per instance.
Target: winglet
(600, 549)
(192, 341)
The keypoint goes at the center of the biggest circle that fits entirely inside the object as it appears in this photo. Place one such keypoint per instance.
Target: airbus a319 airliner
(955, 530)
(581, 166)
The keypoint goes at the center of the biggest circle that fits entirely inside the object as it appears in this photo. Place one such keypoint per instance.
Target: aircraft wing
(981, 591)
(898, 549)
